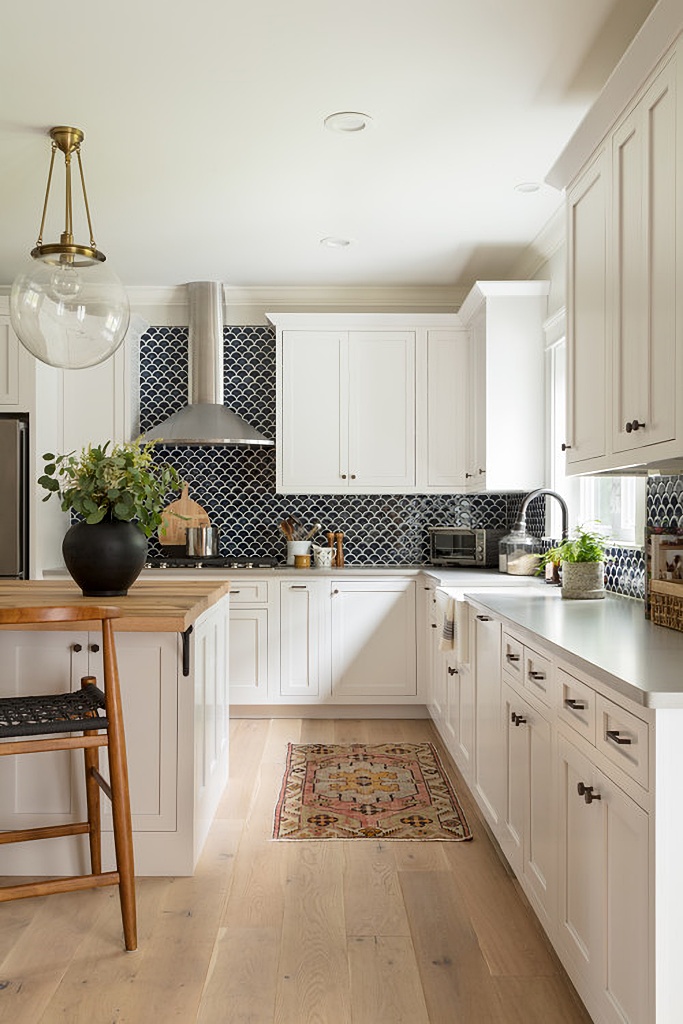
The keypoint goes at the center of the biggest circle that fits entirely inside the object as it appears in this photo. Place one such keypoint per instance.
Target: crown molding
(350, 297)
(551, 239)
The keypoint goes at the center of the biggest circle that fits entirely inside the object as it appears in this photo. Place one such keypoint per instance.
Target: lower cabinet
(301, 639)
(489, 759)
(562, 769)
(373, 643)
(604, 935)
(301, 623)
(530, 805)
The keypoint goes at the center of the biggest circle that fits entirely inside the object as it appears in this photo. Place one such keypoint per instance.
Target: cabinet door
(300, 650)
(587, 314)
(530, 803)
(381, 413)
(248, 655)
(448, 409)
(95, 402)
(644, 241)
(604, 923)
(148, 674)
(311, 447)
(373, 639)
(489, 761)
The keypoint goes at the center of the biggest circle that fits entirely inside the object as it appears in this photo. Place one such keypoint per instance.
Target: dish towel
(448, 638)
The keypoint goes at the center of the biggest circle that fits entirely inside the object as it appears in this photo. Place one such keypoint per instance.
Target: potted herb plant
(582, 562)
(119, 492)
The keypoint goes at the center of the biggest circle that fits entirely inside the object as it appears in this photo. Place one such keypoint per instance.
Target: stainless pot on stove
(202, 541)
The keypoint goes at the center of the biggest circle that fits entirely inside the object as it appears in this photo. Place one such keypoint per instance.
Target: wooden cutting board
(177, 516)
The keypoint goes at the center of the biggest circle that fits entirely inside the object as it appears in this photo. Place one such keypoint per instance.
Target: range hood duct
(205, 420)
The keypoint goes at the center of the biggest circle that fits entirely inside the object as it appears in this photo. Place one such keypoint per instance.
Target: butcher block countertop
(151, 606)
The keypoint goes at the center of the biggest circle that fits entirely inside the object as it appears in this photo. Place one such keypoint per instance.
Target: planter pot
(583, 581)
(106, 558)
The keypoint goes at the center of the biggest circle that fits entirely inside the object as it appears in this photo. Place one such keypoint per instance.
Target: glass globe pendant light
(66, 306)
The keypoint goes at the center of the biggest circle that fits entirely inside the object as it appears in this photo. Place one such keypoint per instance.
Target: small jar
(519, 554)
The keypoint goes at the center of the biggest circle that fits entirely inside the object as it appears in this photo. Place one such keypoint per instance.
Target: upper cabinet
(644, 172)
(587, 362)
(625, 272)
(507, 420)
(346, 411)
(372, 403)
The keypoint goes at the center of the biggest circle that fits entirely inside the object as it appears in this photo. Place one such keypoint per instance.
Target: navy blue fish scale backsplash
(236, 486)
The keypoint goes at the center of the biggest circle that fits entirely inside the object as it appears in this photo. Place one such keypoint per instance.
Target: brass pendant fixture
(66, 307)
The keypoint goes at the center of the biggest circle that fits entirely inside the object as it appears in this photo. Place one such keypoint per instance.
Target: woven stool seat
(60, 712)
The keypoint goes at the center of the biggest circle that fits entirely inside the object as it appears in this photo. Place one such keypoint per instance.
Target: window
(617, 503)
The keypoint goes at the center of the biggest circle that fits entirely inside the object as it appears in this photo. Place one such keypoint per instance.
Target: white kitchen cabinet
(98, 403)
(489, 736)
(251, 615)
(530, 805)
(449, 456)
(302, 665)
(644, 197)
(414, 403)
(625, 273)
(587, 365)
(373, 643)
(604, 934)
(346, 411)
(507, 424)
(435, 662)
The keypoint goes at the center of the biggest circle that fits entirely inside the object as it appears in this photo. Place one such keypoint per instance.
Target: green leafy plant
(111, 481)
(586, 546)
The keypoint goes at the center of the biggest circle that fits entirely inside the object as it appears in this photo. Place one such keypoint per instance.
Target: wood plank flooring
(294, 933)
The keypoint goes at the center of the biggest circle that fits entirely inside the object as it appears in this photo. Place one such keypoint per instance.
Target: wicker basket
(666, 604)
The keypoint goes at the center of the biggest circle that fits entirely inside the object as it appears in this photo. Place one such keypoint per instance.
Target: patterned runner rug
(353, 791)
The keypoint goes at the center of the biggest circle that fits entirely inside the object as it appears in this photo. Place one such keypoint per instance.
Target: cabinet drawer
(248, 592)
(577, 704)
(623, 738)
(537, 675)
(512, 660)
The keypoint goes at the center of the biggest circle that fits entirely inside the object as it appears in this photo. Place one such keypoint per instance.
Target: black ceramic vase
(106, 558)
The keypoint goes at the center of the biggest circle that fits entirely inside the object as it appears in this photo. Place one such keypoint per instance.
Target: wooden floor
(358, 932)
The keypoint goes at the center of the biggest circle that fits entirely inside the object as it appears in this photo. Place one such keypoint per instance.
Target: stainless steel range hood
(205, 420)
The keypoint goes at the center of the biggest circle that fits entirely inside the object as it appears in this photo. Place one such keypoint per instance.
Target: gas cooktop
(211, 562)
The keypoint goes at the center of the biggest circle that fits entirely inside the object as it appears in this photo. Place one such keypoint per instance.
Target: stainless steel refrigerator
(13, 497)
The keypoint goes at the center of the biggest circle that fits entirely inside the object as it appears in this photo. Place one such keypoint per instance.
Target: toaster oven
(462, 546)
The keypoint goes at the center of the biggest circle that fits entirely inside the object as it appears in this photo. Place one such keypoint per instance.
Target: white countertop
(610, 639)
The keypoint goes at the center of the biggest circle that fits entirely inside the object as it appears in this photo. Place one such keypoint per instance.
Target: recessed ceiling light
(347, 121)
(528, 186)
(335, 243)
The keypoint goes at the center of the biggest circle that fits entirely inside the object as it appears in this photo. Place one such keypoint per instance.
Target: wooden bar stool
(54, 719)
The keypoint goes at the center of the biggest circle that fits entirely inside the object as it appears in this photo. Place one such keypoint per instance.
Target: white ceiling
(205, 155)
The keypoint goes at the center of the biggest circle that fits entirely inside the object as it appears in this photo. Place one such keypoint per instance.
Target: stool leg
(118, 778)
(91, 756)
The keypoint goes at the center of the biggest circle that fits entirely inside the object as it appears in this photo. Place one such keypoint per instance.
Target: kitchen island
(172, 646)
